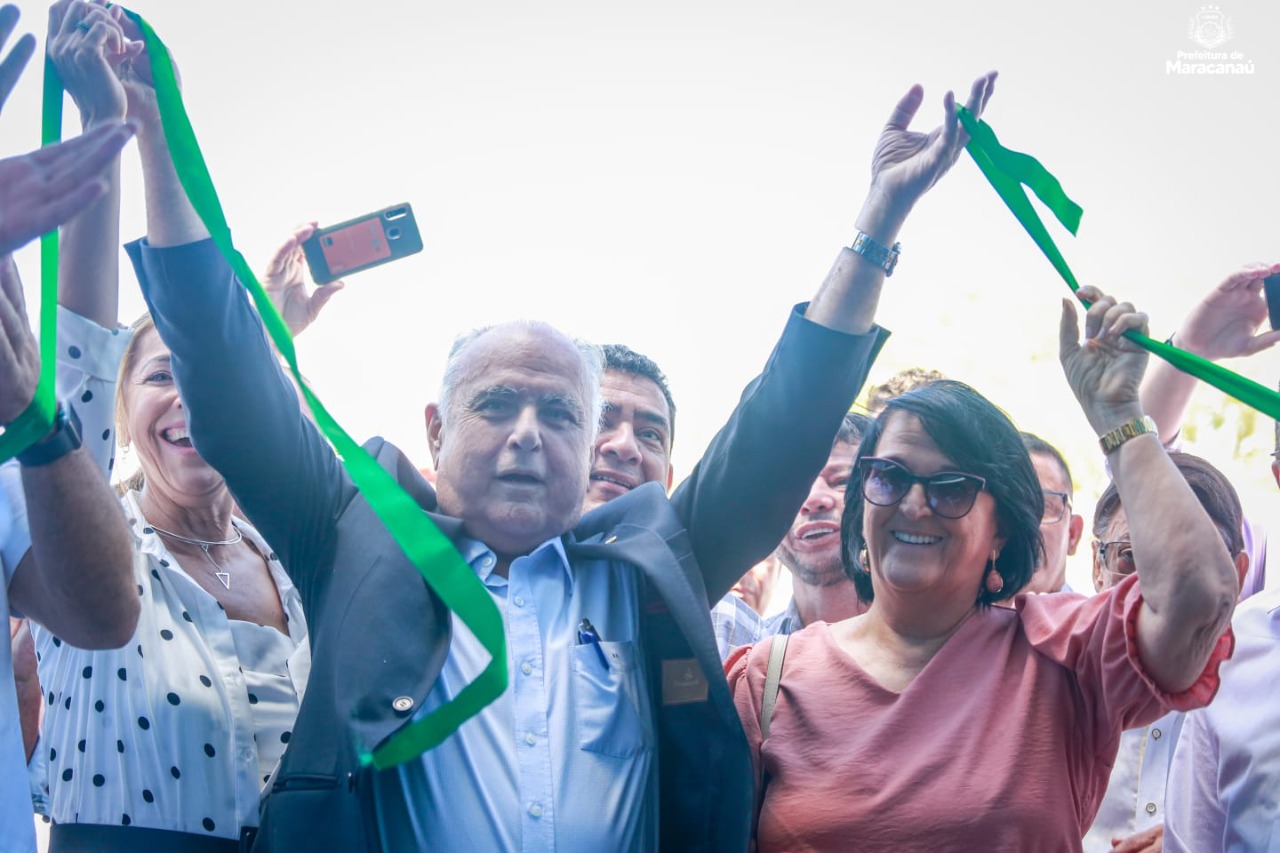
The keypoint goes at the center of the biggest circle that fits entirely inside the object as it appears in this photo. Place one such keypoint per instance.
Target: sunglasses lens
(884, 483)
(952, 495)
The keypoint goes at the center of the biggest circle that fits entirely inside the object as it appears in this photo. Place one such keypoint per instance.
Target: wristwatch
(61, 440)
(885, 257)
(1126, 431)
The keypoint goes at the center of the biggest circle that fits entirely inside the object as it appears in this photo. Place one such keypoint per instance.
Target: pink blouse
(1004, 741)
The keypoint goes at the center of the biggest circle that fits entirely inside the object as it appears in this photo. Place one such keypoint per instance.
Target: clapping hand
(19, 355)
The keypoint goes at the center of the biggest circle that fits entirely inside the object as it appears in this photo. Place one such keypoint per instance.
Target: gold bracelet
(1126, 431)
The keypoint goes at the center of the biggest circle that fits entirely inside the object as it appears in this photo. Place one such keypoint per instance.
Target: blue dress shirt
(564, 759)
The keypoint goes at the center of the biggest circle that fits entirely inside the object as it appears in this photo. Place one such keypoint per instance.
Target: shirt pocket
(612, 710)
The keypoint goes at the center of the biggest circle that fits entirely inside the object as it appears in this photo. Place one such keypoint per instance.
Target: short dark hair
(1035, 444)
(1210, 486)
(979, 439)
(623, 358)
(852, 428)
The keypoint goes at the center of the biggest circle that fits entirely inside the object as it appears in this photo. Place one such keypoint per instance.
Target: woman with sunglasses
(935, 721)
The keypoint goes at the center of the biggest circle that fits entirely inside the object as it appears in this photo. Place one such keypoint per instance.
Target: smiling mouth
(177, 436)
(915, 538)
(613, 481)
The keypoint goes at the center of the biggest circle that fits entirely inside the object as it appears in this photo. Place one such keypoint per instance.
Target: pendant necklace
(205, 545)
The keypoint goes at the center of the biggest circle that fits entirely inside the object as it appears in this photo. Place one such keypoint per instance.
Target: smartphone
(363, 242)
(1271, 288)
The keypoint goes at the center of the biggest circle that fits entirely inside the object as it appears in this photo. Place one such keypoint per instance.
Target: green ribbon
(422, 542)
(1008, 171)
(37, 419)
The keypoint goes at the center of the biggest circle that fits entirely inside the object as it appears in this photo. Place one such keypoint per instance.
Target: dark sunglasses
(949, 494)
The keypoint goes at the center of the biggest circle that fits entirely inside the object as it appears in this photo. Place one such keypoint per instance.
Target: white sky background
(674, 176)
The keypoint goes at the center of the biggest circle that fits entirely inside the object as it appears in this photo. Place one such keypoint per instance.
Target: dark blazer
(379, 634)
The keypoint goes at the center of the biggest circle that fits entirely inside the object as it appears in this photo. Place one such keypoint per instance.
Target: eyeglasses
(1117, 556)
(1056, 506)
(949, 494)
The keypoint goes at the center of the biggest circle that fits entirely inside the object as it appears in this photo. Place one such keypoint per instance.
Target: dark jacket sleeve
(742, 496)
(242, 411)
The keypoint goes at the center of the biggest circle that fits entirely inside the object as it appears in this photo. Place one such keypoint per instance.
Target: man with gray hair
(617, 730)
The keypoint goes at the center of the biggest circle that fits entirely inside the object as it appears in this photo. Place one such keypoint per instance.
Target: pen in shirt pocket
(587, 636)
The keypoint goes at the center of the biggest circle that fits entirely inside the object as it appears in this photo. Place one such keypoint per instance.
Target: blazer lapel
(645, 549)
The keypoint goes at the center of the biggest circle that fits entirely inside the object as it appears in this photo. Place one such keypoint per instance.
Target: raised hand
(1105, 370)
(1225, 323)
(907, 163)
(87, 45)
(285, 282)
(19, 355)
(139, 83)
(12, 65)
(43, 189)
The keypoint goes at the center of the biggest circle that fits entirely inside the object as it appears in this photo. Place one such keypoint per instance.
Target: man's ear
(1242, 566)
(435, 431)
(1075, 530)
(1275, 470)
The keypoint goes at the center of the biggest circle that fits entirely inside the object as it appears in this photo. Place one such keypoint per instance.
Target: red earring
(994, 581)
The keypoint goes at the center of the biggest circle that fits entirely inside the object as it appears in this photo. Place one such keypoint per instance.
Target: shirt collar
(483, 561)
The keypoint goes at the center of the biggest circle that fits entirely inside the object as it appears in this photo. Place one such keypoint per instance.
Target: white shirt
(160, 733)
(18, 835)
(1224, 785)
(163, 733)
(1135, 792)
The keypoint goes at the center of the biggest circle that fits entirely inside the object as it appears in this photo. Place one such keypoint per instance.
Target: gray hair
(592, 358)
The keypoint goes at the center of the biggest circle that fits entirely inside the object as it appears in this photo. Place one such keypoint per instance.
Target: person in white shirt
(1226, 767)
(1131, 815)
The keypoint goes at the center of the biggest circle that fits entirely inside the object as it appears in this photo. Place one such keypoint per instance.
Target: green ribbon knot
(1008, 171)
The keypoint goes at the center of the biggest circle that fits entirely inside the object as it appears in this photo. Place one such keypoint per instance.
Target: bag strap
(772, 676)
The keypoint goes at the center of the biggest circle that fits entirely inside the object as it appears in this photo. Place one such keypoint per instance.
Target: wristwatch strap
(61, 440)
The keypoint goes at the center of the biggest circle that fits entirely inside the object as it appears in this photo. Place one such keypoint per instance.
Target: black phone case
(358, 244)
(1271, 289)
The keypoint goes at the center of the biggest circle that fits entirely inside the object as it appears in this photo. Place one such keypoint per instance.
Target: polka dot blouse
(178, 729)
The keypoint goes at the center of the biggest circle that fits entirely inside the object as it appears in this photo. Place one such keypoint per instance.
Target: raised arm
(1224, 324)
(1189, 582)
(77, 579)
(86, 43)
(243, 413)
(905, 165)
(742, 496)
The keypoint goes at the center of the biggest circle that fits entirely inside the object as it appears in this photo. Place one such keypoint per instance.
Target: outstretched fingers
(88, 154)
(12, 65)
(906, 108)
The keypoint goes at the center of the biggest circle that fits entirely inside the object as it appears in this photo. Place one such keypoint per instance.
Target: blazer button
(402, 704)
